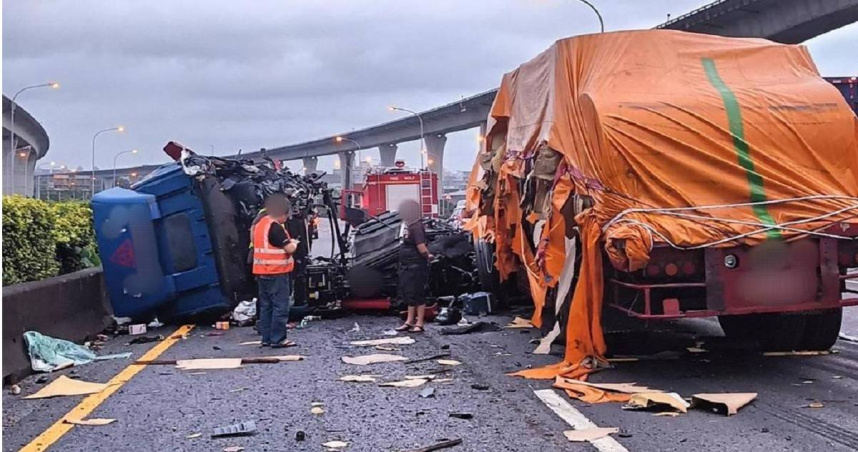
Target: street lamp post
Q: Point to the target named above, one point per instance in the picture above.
(112, 129)
(422, 139)
(340, 139)
(130, 151)
(12, 143)
(601, 23)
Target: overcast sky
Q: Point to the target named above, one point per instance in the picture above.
(234, 74)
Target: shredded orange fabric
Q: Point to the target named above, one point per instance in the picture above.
(589, 394)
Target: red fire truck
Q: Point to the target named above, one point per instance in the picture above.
(385, 188)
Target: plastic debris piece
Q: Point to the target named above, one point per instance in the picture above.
(404, 383)
(465, 416)
(15, 390)
(420, 377)
(627, 388)
(390, 332)
(657, 401)
(91, 421)
(365, 360)
(815, 405)
(427, 392)
(448, 362)
(48, 354)
(65, 386)
(317, 410)
(244, 312)
(666, 414)
(233, 449)
(355, 329)
(400, 340)
(589, 434)
(240, 429)
(335, 444)
(214, 363)
(724, 403)
(387, 348)
(250, 343)
(194, 435)
(113, 356)
(519, 322)
(358, 378)
(155, 323)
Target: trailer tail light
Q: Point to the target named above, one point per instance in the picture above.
(653, 270)
(671, 269)
(688, 267)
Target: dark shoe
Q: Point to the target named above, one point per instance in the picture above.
(416, 329)
(265, 344)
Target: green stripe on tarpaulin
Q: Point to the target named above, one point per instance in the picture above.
(737, 129)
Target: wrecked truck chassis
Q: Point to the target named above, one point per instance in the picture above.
(807, 274)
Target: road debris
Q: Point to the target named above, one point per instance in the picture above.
(65, 386)
(365, 360)
(443, 380)
(15, 390)
(438, 446)
(194, 435)
(589, 394)
(428, 358)
(666, 414)
(387, 348)
(477, 327)
(241, 429)
(519, 322)
(815, 405)
(465, 416)
(799, 353)
(658, 401)
(250, 343)
(724, 403)
(91, 421)
(317, 410)
(390, 332)
(420, 377)
(427, 392)
(356, 328)
(448, 362)
(48, 354)
(335, 444)
(145, 340)
(137, 329)
(226, 361)
(480, 387)
(417, 382)
(245, 313)
(359, 378)
(589, 434)
(401, 340)
(300, 435)
(233, 449)
(208, 364)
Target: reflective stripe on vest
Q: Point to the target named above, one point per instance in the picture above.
(268, 259)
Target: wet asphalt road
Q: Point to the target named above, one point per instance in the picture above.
(160, 407)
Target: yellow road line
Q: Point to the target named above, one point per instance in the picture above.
(91, 402)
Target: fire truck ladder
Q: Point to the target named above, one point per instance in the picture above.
(426, 193)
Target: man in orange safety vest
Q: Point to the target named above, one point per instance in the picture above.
(272, 266)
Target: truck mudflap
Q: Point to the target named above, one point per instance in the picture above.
(808, 274)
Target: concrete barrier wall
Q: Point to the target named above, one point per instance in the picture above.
(72, 307)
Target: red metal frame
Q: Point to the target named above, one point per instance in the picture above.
(811, 275)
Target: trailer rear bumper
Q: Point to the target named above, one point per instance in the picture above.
(776, 277)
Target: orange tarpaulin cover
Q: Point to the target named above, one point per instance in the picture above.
(679, 138)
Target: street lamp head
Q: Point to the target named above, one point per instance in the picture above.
(430, 161)
(339, 139)
(55, 85)
(22, 154)
(53, 163)
(134, 151)
(133, 174)
(120, 129)
(391, 108)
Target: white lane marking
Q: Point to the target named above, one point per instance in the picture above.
(576, 419)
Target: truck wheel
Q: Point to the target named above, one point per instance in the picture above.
(821, 329)
(739, 327)
(774, 332)
(486, 271)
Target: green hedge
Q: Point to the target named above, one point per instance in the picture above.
(44, 239)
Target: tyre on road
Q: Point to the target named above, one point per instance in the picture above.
(817, 330)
